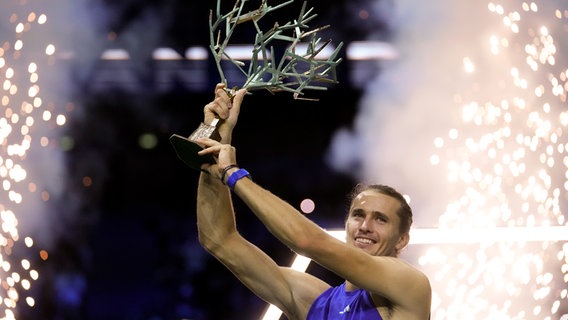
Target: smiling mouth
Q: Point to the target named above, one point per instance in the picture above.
(364, 241)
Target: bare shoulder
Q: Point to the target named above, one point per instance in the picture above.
(410, 278)
(401, 269)
(406, 289)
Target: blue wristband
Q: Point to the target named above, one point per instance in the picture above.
(236, 176)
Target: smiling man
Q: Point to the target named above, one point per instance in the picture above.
(378, 285)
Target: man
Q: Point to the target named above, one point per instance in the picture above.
(377, 285)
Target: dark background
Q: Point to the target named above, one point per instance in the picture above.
(131, 250)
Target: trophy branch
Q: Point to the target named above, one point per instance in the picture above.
(294, 71)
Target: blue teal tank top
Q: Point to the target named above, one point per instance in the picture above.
(336, 303)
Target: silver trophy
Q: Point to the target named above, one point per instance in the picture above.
(297, 70)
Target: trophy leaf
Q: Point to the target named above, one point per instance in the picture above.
(294, 71)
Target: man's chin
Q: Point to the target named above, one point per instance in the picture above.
(365, 247)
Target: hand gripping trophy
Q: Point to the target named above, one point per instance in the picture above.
(294, 72)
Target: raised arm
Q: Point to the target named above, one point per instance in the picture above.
(392, 278)
(291, 291)
(215, 220)
(405, 286)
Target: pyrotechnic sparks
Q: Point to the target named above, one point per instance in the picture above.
(484, 145)
(25, 113)
(507, 164)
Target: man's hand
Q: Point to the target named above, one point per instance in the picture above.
(224, 154)
(225, 107)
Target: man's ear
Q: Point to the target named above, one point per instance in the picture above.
(402, 242)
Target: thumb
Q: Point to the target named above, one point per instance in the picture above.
(238, 100)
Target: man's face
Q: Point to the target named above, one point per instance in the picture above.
(373, 225)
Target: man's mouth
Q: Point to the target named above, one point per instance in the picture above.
(364, 241)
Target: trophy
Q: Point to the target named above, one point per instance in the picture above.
(294, 72)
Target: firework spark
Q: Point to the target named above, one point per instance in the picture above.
(507, 163)
(26, 119)
(477, 103)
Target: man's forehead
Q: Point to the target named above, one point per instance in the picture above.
(370, 193)
(373, 197)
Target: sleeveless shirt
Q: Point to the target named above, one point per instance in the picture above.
(335, 303)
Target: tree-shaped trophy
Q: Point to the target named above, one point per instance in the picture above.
(293, 72)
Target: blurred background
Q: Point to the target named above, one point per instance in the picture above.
(459, 105)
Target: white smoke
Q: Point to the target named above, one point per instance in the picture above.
(411, 100)
(516, 97)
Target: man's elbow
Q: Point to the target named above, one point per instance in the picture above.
(208, 243)
(215, 243)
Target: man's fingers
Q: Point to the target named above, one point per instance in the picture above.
(217, 108)
(219, 86)
(211, 146)
(223, 103)
(220, 105)
(238, 99)
(223, 94)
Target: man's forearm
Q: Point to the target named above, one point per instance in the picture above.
(280, 218)
(215, 218)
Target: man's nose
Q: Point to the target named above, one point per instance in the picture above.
(366, 224)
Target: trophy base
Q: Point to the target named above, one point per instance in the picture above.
(187, 151)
